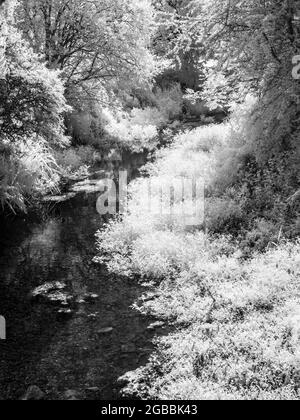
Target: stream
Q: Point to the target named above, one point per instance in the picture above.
(74, 350)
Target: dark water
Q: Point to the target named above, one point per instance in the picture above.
(56, 352)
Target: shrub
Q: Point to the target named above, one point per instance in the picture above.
(87, 127)
(72, 160)
(206, 139)
(31, 121)
(136, 131)
(263, 234)
(138, 128)
(169, 102)
(28, 171)
(223, 215)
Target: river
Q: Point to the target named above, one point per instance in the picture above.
(80, 353)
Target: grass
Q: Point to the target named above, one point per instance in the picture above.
(237, 331)
(230, 288)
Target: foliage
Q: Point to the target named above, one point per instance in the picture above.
(138, 129)
(103, 50)
(28, 170)
(249, 49)
(128, 246)
(238, 194)
(169, 101)
(229, 289)
(33, 101)
(86, 127)
(135, 130)
(182, 49)
(237, 335)
(76, 160)
(95, 43)
(31, 121)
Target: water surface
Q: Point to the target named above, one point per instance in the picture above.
(57, 352)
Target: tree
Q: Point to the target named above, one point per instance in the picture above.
(170, 40)
(32, 96)
(249, 46)
(95, 43)
(32, 107)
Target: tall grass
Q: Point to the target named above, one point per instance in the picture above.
(237, 331)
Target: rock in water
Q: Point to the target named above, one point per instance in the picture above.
(34, 393)
(52, 293)
(65, 313)
(71, 395)
(155, 325)
(104, 331)
(90, 297)
(47, 288)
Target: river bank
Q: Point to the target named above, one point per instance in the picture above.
(229, 287)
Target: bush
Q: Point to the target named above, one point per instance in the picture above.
(169, 102)
(138, 129)
(27, 171)
(87, 127)
(31, 121)
(223, 215)
(72, 160)
(135, 131)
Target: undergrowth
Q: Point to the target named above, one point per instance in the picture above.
(228, 284)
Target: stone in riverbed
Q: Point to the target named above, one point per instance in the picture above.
(71, 395)
(149, 296)
(46, 288)
(59, 298)
(65, 313)
(93, 389)
(34, 393)
(155, 325)
(80, 301)
(105, 331)
(90, 297)
(124, 380)
(52, 293)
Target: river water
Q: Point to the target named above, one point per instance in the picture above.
(59, 352)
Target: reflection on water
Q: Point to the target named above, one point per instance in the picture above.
(83, 352)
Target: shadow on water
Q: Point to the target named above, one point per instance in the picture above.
(56, 352)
